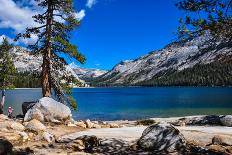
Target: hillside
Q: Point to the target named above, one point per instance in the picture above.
(29, 66)
(191, 62)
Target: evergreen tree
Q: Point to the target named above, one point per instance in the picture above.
(214, 16)
(7, 70)
(56, 23)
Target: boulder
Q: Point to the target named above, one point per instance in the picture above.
(47, 109)
(80, 124)
(162, 137)
(71, 124)
(226, 120)
(24, 135)
(48, 137)
(5, 147)
(96, 126)
(35, 125)
(17, 126)
(3, 117)
(78, 145)
(89, 124)
(222, 140)
(34, 113)
(113, 125)
(27, 105)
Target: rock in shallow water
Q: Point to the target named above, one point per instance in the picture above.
(162, 137)
(47, 109)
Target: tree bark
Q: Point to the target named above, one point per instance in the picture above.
(2, 101)
(46, 75)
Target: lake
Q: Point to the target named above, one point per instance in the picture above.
(137, 102)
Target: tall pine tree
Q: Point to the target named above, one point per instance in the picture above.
(7, 70)
(53, 32)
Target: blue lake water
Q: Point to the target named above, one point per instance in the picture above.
(137, 103)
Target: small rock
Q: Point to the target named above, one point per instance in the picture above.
(113, 125)
(222, 140)
(226, 120)
(48, 137)
(24, 135)
(31, 135)
(90, 142)
(96, 126)
(81, 124)
(4, 129)
(162, 137)
(17, 126)
(71, 124)
(3, 117)
(89, 124)
(105, 126)
(78, 145)
(35, 125)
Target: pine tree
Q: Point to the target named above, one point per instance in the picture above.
(7, 70)
(214, 16)
(53, 34)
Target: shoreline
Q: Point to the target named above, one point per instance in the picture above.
(146, 87)
(109, 134)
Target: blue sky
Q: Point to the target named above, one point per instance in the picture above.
(111, 30)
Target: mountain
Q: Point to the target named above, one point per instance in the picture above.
(86, 73)
(25, 63)
(170, 65)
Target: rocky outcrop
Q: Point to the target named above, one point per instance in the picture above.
(162, 137)
(212, 120)
(47, 109)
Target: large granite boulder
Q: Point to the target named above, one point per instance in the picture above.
(226, 120)
(49, 110)
(162, 138)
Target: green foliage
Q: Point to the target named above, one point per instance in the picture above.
(56, 23)
(212, 16)
(213, 74)
(27, 80)
(7, 68)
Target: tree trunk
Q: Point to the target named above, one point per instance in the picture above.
(2, 101)
(46, 79)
